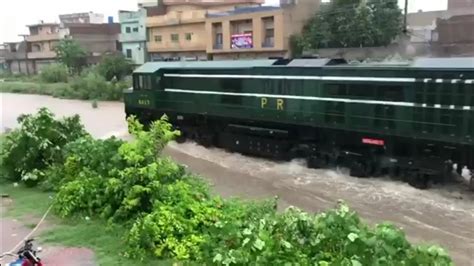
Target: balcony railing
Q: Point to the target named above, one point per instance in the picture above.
(43, 37)
(42, 54)
(218, 46)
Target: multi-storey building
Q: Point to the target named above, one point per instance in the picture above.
(257, 32)
(133, 35)
(96, 39)
(177, 28)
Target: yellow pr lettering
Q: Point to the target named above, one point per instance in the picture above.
(264, 102)
(280, 103)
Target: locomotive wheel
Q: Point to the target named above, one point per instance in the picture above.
(358, 169)
(316, 162)
(181, 138)
(418, 180)
(206, 139)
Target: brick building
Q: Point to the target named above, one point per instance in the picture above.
(97, 39)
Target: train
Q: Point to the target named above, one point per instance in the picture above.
(412, 121)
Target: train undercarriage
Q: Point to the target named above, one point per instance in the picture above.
(417, 162)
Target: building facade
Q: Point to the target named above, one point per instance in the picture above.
(3, 62)
(16, 58)
(460, 4)
(454, 36)
(177, 28)
(96, 39)
(89, 17)
(133, 35)
(257, 32)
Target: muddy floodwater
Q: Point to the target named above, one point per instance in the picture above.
(443, 215)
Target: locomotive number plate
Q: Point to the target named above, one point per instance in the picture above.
(144, 102)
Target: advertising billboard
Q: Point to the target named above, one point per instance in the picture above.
(242, 41)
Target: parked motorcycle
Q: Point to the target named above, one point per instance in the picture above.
(26, 255)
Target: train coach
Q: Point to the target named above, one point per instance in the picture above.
(414, 121)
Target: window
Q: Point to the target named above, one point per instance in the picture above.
(218, 41)
(269, 38)
(175, 37)
(129, 53)
(158, 38)
(128, 30)
(135, 29)
(188, 36)
(143, 82)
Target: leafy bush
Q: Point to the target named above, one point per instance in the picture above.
(54, 73)
(91, 85)
(36, 144)
(115, 66)
(172, 215)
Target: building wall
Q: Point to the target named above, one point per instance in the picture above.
(455, 4)
(455, 36)
(196, 43)
(97, 43)
(184, 19)
(138, 51)
(89, 17)
(284, 21)
(134, 41)
(18, 66)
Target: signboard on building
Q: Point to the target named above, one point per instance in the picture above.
(242, 41)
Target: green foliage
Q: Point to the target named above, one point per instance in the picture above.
(353, 23)
(91, 85)
(115, 67)
(71, 54)
(54, 73)
(37, 143)
(296, 46)
(27, 87)
(170, 214)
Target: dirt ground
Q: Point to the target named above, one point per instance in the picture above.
(13, 231)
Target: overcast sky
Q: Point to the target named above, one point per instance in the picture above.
(15, 14)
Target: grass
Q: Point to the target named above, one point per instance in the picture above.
(30, 87)
(105, 240)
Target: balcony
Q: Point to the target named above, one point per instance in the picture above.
(41, 55)
(43, 37)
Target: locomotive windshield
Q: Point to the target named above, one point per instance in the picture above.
(143, 82)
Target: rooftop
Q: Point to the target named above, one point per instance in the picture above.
(43, 24)
(244, 10)
(460, 62)
(152, 67)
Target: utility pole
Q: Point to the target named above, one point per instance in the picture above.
(405, 26)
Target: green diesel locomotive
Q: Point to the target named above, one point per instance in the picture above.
(415, 121)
